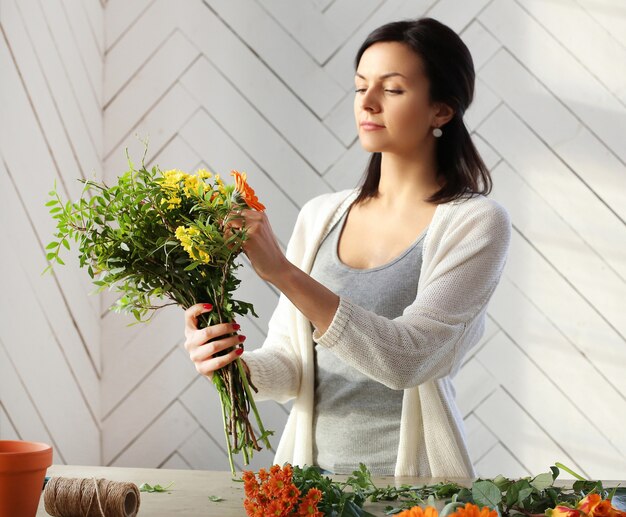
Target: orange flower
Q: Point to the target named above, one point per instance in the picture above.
(563, 511)
(308, 505)
(418, 511)
(471, 510)
(246, 191)
(594, 506)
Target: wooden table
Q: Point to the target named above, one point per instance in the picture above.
(189, 495)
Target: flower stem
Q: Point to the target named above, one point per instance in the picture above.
(246, 386)
(219, 385)
(570, 471)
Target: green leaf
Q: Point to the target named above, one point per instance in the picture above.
(52, 202)
(542, 481)
(486, 493)
(145, 487)
(53, 244)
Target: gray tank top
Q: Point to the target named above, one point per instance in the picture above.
(357, 419)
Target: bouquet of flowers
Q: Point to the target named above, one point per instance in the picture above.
(160, 235)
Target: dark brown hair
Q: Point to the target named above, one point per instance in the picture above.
(449, 67)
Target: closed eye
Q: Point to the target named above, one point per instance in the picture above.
(358, 90)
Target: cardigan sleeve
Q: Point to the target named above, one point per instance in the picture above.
(422, 343)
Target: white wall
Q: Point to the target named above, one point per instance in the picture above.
(265, 86)
(51, 57)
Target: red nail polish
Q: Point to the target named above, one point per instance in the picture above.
(239, 351)
(242, 338)
(236, 326)
(208, 306)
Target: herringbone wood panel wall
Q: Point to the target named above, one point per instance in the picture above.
(266, 86)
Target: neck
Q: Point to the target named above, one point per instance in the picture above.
(405, 180)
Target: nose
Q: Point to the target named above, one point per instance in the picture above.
(369, 100)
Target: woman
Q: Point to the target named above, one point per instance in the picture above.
(384, 288)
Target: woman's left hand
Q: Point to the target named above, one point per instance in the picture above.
(261, 246)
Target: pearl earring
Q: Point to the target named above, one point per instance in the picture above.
(437, 132)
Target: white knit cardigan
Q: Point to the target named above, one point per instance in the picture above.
(464, 253)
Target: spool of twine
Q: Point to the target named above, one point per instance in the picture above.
(90, 497)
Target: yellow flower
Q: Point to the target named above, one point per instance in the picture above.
(186, 238)
(192, 183)
(203, 173)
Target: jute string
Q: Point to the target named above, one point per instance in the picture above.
(90, 497)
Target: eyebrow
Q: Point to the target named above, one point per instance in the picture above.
(384, 76)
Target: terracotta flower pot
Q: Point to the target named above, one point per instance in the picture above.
(23, 468)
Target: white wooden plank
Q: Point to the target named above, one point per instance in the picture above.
(119, 15)
(456, 15)
(582, 438)
(224, 153)
(481, 44)
(59, 85)
(126, 367)
(177, 154)
(83, 88)
(296, 68)
(175, 462)
(524, 322)
(500, 461)
(562, 246)
(7, 431)
(16, 401)
(348, 171)
(259, 138)
(473, 385)
(50, 295)
(491, 329)
(244, 72)
(43, 102)
(203, 452)
(521, 435)
(485, 101)
(158, 126)
(567, 22)
(127, 108)
(47, 378)
(320, 33)
(611, 14)
(85, 42)
(558, 128)
(26, 156)
(341, 121)
(565, 193)
(94, 11)
(159, 441)
(479, 439)
(341, 64)
(546, 58)
(134, 415)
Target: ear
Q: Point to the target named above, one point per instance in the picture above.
(442, 115)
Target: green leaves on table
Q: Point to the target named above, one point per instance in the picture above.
(145, 487)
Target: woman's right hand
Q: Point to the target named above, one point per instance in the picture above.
(200, 350)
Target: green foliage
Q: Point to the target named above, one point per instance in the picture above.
(529, 495)
(145, 487)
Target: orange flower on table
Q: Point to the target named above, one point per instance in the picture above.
(594, 506)
(563, 511)
(469, 510)
(274, 493)
(246, 191)
(418, 511)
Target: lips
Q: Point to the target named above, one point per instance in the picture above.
(370, 125)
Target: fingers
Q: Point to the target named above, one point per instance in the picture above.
(191, 316)
(206, 364)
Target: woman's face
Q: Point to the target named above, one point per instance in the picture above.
(392, 91)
